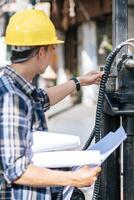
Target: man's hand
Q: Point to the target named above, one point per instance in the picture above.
(92, 77)
(85, 176)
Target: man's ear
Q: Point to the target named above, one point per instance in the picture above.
(41, 52)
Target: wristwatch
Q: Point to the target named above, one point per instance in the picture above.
(77, 83)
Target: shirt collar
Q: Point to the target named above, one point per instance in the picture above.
(27, 87)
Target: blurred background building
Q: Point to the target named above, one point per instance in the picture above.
(86, 28)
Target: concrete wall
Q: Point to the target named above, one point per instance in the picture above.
(87, 58)
(61, 75)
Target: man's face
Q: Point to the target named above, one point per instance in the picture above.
(45, 56)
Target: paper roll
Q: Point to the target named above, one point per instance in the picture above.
(59, 159)
(48, 141)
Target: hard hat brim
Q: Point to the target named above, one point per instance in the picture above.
(32, 43)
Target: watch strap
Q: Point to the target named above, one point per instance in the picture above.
(77, 83)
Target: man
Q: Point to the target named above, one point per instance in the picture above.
(32, 38)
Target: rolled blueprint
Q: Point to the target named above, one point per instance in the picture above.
(59, 159)
(48, 141)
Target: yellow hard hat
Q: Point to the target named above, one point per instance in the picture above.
(31, 28)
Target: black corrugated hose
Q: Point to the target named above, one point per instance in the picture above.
(96, 131)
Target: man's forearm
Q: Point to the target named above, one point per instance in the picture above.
(59, 92)
(41, 177)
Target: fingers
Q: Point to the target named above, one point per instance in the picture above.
(86, 176)
(92, 169)
(98, 169)
(95, 171)
(95, 174)
(92, 172)
(92, 77)
(91, 181)
(99, 77)
(97, 81)
(96, 77)
(97, 73)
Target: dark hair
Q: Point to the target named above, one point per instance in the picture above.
(22, 56)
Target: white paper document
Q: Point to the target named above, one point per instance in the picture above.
(48, 141)
(59, 159)
(109, 143)
(93, 156)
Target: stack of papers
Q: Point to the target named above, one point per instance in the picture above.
(48, 141)
(93, 156)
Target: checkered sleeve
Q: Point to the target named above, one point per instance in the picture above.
(44, 99)
(13, 132)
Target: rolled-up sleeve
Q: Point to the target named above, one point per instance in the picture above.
(46, 102)
(41, 96)
(13, 132)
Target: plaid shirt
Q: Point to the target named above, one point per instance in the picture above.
(21, 111)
